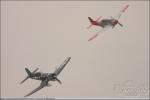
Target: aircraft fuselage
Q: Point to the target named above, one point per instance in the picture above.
(43, 76)
(108, 22)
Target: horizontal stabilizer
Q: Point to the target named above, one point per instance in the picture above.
(24, 80)
(29, 74)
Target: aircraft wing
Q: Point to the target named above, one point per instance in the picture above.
(100, 31)
(58, 70)
(121, 12)
(93, 37)
(42, 85)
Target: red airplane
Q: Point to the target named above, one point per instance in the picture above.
(106, 23)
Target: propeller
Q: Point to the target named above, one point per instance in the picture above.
(53, 76)
(58, 80)
(120, 24)
(117, 21)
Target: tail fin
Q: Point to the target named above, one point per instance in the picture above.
(92, 21)
(120, 24)
(28, 72)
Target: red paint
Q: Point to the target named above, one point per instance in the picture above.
(115, 22)
(124, 9)
(93, 37)
(93, 22)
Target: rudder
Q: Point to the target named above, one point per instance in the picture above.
(92, 21)
(28, 72)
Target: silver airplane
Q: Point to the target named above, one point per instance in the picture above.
(44, 77)
(106, 23)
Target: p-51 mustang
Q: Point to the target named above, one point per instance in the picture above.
(45, 77)
(106, 23)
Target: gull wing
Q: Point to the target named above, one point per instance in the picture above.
(42, 85)
(58, 70)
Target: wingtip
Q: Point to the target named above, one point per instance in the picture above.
(20, 82)
(69, 57)
(26, 95)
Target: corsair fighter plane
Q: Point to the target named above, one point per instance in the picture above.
(45, 77)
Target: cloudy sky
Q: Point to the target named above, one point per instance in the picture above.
(42, 34)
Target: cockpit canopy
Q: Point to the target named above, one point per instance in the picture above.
(38, 74)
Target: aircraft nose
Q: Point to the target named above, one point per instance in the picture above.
(115, 22)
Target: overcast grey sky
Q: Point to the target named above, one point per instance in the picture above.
(43, 33)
